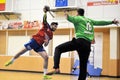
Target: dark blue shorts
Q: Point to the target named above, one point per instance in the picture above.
(32, 44)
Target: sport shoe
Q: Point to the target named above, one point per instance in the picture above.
(53, 72)
(8, 63)
(47, 77)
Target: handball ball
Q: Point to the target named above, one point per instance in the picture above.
(47, 8)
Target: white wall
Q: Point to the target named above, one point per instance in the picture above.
(31, 9)
(16, 43)
(108, 12)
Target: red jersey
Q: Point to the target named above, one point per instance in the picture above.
(40, 36)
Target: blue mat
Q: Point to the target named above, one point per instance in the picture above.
(90, 68)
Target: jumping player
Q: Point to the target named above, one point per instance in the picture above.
(84, 32)
(42, 37)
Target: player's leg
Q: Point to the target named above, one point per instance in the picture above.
(64, 47)
(83, 65)
(41, 51)
(22, 51)
(83, 53)
(27, 46)
(44, 55)
(67, 46)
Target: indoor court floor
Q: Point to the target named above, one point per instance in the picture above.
(15, 75)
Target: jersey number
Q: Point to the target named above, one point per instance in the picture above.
(88, 26)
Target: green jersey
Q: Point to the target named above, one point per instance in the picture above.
(84, 26)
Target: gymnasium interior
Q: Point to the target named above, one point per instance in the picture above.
(20, 19)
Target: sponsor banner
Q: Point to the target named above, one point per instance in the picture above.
(2, 5)
(103, 2)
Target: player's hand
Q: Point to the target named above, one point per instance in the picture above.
(66, 13)
(46, 42)
(115, 22)
(93, 41)
(46, 9)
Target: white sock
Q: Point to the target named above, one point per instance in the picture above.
(12, 60)
(45, 71)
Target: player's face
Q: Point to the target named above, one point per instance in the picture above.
(54, 27)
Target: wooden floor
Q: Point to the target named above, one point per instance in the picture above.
(12, 75)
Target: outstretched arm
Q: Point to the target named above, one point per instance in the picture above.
(102, 23)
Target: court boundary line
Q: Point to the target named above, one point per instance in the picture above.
(58, 74)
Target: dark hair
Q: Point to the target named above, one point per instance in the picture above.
(80, 11)
(54, 23)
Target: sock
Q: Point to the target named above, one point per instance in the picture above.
(45, 71)
(12, 60)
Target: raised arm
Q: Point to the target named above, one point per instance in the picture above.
(45, 9)
(45, 18)
(72, 19)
